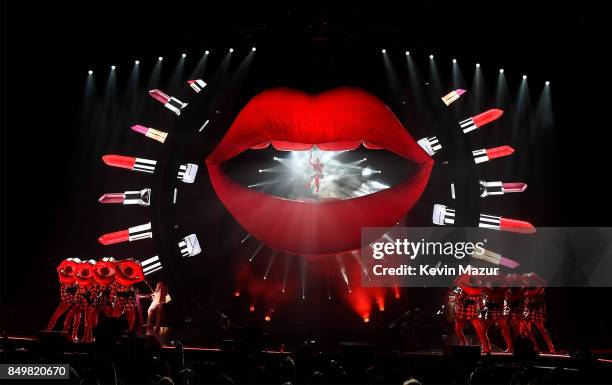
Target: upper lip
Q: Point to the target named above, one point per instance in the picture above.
(335, 120)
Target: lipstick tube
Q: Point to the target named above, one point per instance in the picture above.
(197, 84)
(431, 145)
(171, 103)
(132, 234)
(452, 96)
(443, 215)
(505, 224)
(486, 154)
(474, 122)
(152, 133)
(190, 246)
(494, 258)
(187, 172)
(142, 197)
(130, 163)
(500, 188)
(151, 265)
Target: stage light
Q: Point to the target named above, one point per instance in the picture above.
(407, 53)
(253, 49)
(547, 83)
(366, 320)
(206, 52)
(275, 158)
(431, 57)
(383, 50)
(184, 55)
(524, 77)
(477, 65)
(364, 159)
(236, 294)
(267, 318)
(137, 62)
(160, 58)
(90, 72)
(231, 50)
(501, 70)
(113, 67)
(251, 308)
(260, 170)
(454, 61)
(368, 171)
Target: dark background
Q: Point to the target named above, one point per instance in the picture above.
(53, 137)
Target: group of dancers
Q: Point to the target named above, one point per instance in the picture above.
(514, 303)
(90, 289)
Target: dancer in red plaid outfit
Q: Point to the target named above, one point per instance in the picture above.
(83, 300)
(515, 301)
(101, 291)
(129, 272)
(535, 309)
(467, 308)
(66, 272)
(495, 309)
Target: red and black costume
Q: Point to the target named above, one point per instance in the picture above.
(467, 308)
(83, 298)
(535, 309)
(101, 292)
(495, 309)
(129, 272)
(66, 271)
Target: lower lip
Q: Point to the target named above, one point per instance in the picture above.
(323, 228)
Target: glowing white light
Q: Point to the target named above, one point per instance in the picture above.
(207, 52)
(184, 55)
(90, 72)
(477, 65)
(260, 170)
(160, 58)
(547, 83)
(501, 70)
(253, 49)
(431, 57)
(407, 53)
(364, 159)
(454, 61)
(136, 61)
(383, 50)
(231, 50)
(368, 171)
(113, 67)
(524, 77)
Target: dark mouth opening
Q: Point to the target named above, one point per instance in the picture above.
(345, 174)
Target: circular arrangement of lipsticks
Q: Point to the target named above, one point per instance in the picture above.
(174, 173)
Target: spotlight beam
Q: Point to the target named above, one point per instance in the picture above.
(259, 247)
(270, 262)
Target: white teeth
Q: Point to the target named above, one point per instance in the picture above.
(333, 146)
